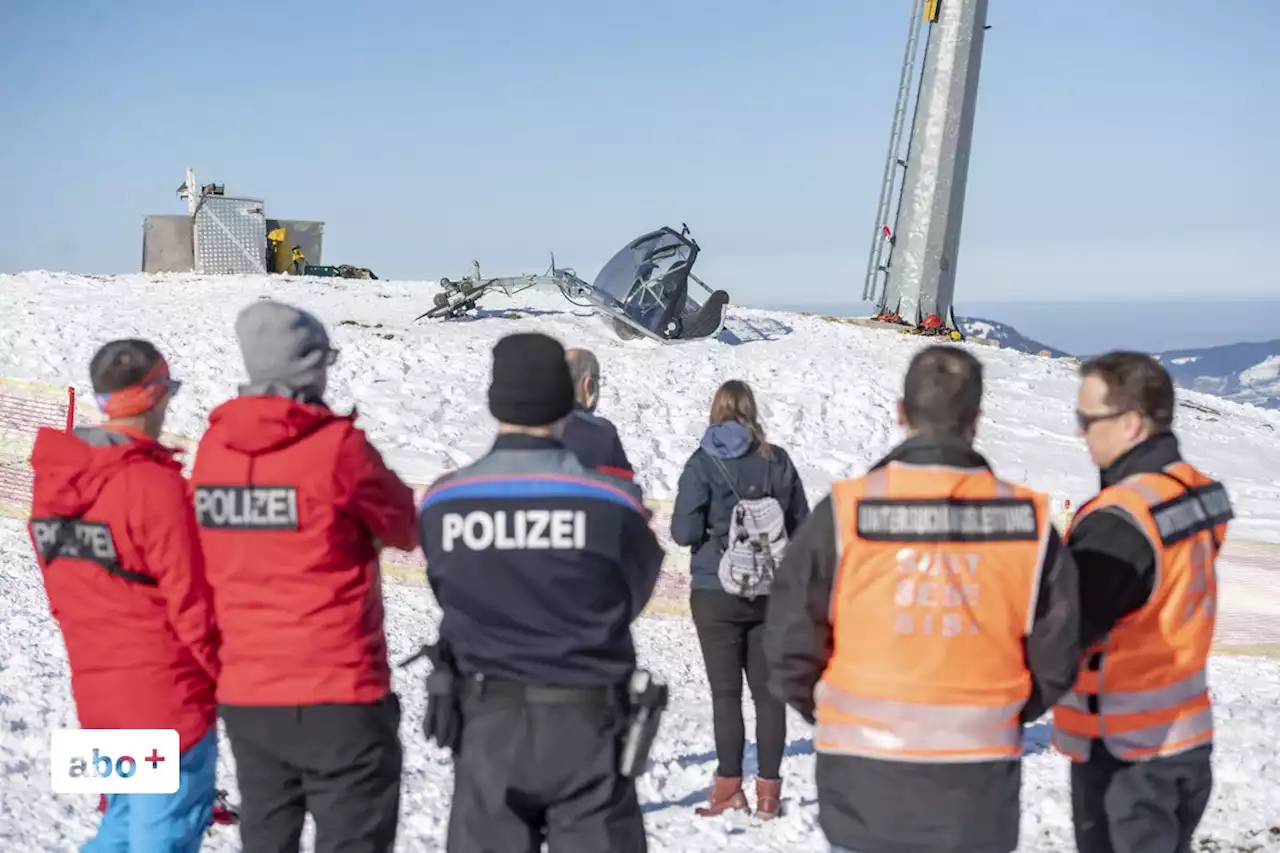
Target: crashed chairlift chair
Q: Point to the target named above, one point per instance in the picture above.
(643, 291)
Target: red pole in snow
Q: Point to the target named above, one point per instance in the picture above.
(71, 408)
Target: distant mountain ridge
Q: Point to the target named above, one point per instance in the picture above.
(1005, 335)
(1243, 373)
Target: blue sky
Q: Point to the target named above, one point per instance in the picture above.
(1122, 150)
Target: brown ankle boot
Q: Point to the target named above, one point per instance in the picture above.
(726, 795)
(768, 798)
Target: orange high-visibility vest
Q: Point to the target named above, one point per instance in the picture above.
(1143, 689)
(934, 595)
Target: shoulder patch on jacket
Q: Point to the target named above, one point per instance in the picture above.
(1194, 511)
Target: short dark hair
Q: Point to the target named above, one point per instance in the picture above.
(121, 364)
(942, 393)
(1135, 382)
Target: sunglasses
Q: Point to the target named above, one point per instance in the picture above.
(330, 356)
(1084, 421)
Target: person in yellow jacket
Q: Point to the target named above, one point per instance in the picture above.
(921, 615)
(1138, 726)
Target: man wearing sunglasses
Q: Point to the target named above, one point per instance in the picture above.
(118, 547)
(1138, 726)
(294, 504)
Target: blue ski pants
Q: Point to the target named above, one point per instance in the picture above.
(163, 823)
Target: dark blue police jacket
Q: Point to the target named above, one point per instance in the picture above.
(539, 565)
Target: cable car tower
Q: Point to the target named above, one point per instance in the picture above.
(916, 244)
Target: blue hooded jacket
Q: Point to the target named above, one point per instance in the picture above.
(705, 498)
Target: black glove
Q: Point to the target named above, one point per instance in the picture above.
(443, 720)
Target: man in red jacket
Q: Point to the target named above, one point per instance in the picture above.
(118, 547)
(294, 504)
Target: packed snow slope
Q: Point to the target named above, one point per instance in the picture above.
(1244, 814)
(828, 392)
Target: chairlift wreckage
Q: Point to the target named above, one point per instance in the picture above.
(644, 290)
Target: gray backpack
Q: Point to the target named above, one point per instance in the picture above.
(757, 540)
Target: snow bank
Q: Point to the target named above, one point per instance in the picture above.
(828, 391)
(35, 697)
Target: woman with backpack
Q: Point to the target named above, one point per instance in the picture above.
(738, 503)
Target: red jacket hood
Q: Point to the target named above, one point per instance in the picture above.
(260, 424)
(70, 472)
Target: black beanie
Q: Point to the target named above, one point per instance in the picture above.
(531, 382)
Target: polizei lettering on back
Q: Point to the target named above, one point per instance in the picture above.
(74, 539)
(247, 507)
(953, 520)
(518, 530)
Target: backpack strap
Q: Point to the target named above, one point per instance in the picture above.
(727, 476)
(766, 492)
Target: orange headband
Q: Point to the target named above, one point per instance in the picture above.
(139, 398)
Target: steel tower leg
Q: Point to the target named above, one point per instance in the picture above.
(922, 275)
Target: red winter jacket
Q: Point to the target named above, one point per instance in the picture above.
(292, 502)
(129, 589)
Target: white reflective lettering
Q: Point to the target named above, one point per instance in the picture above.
(562, 531)
(247, 507)
(477, 531)
(45, 533)
(88, 540)
(536, 532)
(450, 530)
(504, 540)
(936, 592)
(521, 530)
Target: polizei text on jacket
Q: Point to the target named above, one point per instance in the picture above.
(519, 530)
(74, 539)
(247, 507)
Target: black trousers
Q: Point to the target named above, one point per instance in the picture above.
(341, 763)
(533, 770)
(731, 633)
(1140, 807)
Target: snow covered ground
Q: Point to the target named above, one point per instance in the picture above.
(828, 393)
(828, 390)
(35, 697)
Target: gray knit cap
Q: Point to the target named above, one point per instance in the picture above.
(286, 350)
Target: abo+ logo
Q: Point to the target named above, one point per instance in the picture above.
(114, 761)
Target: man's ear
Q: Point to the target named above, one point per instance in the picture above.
(902, 414)
(1137, 427)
